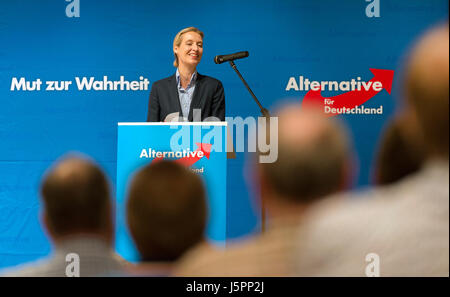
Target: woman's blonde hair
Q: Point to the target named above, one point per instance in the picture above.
(177, 40)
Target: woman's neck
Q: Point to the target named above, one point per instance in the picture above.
(185, 74)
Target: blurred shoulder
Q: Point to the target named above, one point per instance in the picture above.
(200, 261)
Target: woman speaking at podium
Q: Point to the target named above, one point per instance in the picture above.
(187, 94)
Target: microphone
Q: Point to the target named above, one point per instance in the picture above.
(225, 58)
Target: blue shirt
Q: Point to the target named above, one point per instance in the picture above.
(186, 95)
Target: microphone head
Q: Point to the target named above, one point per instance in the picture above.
(244, 54)
(218, 60)
(225, 58)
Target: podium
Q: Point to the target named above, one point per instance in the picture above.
(140, 143)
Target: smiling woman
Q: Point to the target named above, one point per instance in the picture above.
(187, 95)
(188, 43)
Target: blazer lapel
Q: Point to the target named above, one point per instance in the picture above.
(196, 98)
(173, 89)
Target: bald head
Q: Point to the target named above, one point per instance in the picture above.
(313, 152)
(427, 88)
(300, 126)
(76, 198)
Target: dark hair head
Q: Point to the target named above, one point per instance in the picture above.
(166, 210)
(76, 197)
(399, 155)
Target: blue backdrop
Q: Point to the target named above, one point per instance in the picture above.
(319, 39)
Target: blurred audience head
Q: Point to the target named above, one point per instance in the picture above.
(76, 198)
(427, 89)
(313, 158)
(399, 154)
(166, 211)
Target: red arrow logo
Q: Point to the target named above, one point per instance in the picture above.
(188, 161)
(203, 150)
(353, 98)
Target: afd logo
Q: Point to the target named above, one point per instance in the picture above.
(185, 157)
(357, 92)
(73, 9)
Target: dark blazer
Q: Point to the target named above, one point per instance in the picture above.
(208, 96)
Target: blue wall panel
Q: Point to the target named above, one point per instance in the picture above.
(321, 40)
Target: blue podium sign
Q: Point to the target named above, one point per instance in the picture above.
(199, 146)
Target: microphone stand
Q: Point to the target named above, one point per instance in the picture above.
(266, 114)
(264, 111)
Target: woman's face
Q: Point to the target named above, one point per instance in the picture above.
(190, 50)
